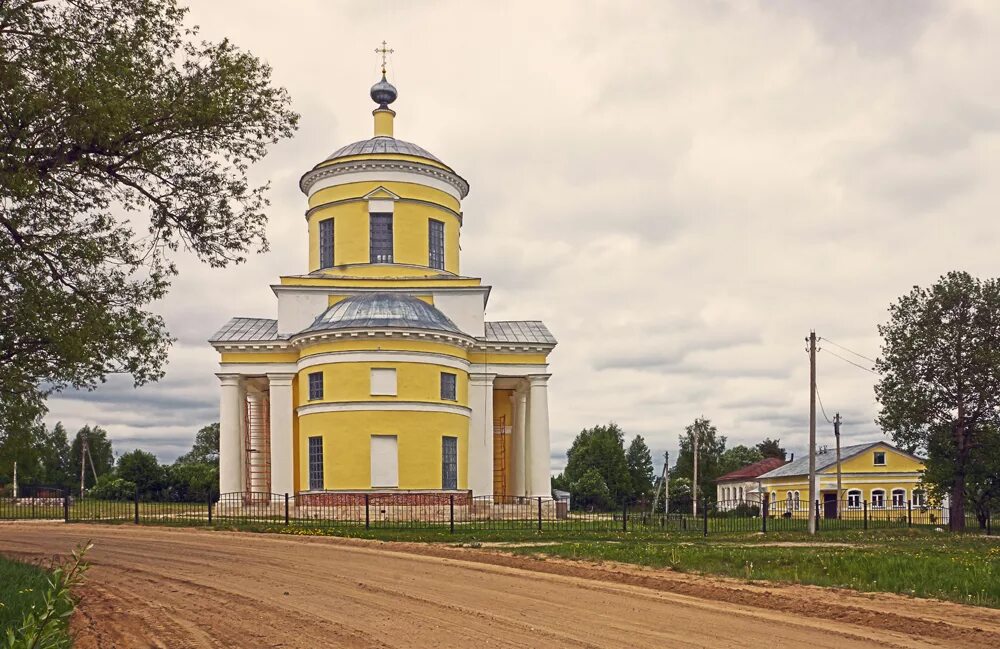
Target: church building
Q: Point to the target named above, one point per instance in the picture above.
(380, 373)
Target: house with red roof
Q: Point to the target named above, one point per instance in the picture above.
(741, 486)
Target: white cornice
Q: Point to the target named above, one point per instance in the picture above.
(367, 166)
(383, 356)
(406, 406)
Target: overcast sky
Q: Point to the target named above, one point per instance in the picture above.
(680, 190)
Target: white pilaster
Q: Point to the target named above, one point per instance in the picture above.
(481, 434)
(230, 434)
(280, 387)
(520, 399)
(539, 480)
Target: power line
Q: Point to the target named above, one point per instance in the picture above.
(861, 367)
(870, 360)
(821, 405)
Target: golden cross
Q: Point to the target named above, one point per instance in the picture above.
(383, 51)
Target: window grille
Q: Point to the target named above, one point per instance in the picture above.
(435, 244)
(449, 463)
(315, 385)
(326, 243)
(315, 462)
(381, 238)
(447, 386)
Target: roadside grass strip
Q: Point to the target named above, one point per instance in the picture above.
(21, 586)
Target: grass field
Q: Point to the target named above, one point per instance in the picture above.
(21, 585)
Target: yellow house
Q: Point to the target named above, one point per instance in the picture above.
(380, 372)
(876, 476)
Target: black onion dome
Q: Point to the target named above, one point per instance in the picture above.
(376, 310)
(384, 93)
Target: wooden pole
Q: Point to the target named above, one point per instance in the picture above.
(812, 431)
(836, 433)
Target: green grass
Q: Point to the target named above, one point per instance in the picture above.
(21, 586)
(960, 568)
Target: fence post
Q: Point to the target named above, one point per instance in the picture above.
(66, 506)
(451, 512)
(539, 513)
(866, 515)
(909, 514)
(817, 515)
(704, 513)
(367, 519)
(137, 505)
(286, 508)
(209, 506)
(763, 513)
(624, 515)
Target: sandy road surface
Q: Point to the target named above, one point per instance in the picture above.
(152, 587)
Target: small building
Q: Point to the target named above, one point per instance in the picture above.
(741, 486)
(876, 474)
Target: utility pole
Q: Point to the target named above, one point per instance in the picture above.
(836, 433)
(83, 460)
(812, 431)
(15, 479)
(666, 482)
(694, 479)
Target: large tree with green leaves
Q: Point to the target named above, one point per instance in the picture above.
(205, 449)
(601, 448)
(640, 469)
(771, 448)
(939, 385)
(100, 451)
(738, 457)
(123, 137)
(711, 447)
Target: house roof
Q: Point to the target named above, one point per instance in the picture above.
(518, 331)
(800, 466)
(751, 471)
(246, 329)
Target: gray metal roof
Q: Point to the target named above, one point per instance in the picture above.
(243, 329)
(382, 144)
(800, 466)
(370, 310)
(518, 331)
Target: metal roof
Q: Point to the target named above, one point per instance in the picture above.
(518, 331)
(241, 329)
(751, 471)
(382, 144)
(800, 466)
(373, 310)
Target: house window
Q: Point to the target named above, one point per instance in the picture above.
(383, 382)
(774, 501)
(898, 498)
(879, 458)
(878, 499)
(326, 243)
(854, 499)
(788, 501)
(315, 462)
(435, 244)
(385, 461)
(315, 385)
(797, 502)
(919, 498)
(380, 245)
(449, 463)
(447, 386)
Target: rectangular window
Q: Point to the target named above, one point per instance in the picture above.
(878, 499)
(326, 243)
(435, 243)
(315, 462)
(918, 498)
(447, 386)
(383, 382)
(315, 385)
(380, 246)
(854, 500)
(879, 458)
(449, 463)
(898, 499)
(385, 461)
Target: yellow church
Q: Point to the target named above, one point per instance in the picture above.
(380, 373)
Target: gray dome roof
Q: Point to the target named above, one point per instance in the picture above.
(375, 310)
(382, 144)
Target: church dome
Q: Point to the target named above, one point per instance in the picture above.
(382, 144)
(375, 310)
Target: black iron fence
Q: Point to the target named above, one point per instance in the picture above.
(460, 511)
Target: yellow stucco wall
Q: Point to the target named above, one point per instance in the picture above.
(414, 382)
(411, 191)
(347, 445)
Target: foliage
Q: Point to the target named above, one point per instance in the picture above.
(42, 455)
(192, 482)
(141, 469)
(206, 447)
(601, 449)
(711, 447)
(738, 457)
(982, 481)
(117, 118)
(111, 487)
(46, 626)
(640, 468)
(940, 377)
(771, 448)
(590, 492)
(21, 586)
(98, 447)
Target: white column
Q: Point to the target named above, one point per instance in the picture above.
(481, 434)
(230, 435)
(280, 387)
(539, 481)
(520, 399)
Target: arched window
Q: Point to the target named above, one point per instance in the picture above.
(797, 503)
(788, 501)
(854, 499)
(878, 498)
(740, 494)
(899, 498)
(774, 501)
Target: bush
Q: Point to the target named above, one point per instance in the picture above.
(192, 482)
(591, 492)
(110, 487)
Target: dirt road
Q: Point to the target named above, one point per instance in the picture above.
(153, 587)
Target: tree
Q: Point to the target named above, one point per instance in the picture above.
(55, 457)
(99, 448)
(22, 444)
(206, 447)
(738, 457)
(939, 379)
(112, 107)
(591, 491)
(141, 469)
(711, 446)
(192, 481)
(982, 481)
(771, 448)
(601, 448)
(640, 468)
